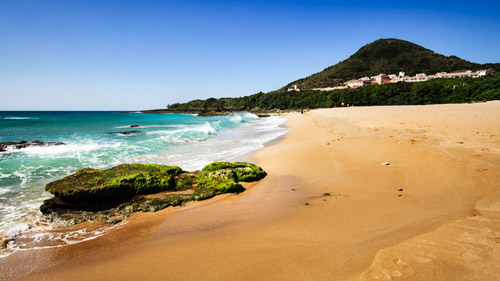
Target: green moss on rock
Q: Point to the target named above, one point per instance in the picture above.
(245, 172)
(248, 172)
(123, 181)
(144, 204)
(217, 166)
(121, 190)
(186, 181)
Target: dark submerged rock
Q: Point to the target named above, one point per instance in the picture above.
(91, 194)
(4, 146)
(134, 126)
(128, 133)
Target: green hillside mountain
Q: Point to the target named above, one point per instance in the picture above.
(386, 56)
(381, 56)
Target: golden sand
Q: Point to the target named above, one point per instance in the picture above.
(432, 213)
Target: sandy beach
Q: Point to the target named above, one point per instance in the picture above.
(328, 210)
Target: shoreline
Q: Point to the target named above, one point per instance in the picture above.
(362, 230)
(203, 140)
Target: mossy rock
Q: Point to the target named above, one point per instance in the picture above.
(248, 172)
(121, 190)
(215, 178)
(217, 166)
(186, 181)
(203, 193)
(123, 181)
(141, 203)
(245, 172)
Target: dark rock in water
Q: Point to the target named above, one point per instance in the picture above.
(128, 133)
(4, 146)
(91, 194)
(134, 126)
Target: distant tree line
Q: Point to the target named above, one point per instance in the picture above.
(435, 91)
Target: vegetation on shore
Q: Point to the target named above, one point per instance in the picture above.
(435, 91)
(380, 56)
(91, 194)
(387, 56)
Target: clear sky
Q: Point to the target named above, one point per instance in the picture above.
(119, 55)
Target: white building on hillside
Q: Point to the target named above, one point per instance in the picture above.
(294, 88)
(467, 73)
(358, 83)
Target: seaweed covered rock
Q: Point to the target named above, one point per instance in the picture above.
(245, 172)
(123, 181)
(90, 194)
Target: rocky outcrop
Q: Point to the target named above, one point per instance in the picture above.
(4, 146)
(129, 133)
(115, 193)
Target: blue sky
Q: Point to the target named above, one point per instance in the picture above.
(118, 55)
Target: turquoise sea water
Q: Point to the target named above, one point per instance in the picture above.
(97, 140)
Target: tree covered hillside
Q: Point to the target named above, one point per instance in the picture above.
(386, 56)
(434, 91)
(381, 56)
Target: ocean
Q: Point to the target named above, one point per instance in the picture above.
(105, 139)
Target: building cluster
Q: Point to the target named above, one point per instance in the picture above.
(393, 78)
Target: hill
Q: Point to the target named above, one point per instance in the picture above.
(386, 56)
(381, 56)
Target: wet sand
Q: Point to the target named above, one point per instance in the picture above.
(433, 213)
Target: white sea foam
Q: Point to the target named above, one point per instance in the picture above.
(226, 145)
(151, 126)
(206, 128)
(66, 149)
(42, 236)
(19, 118)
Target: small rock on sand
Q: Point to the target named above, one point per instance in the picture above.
(400, 189)
(326, 194)
(385, 163)
(307, 204)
